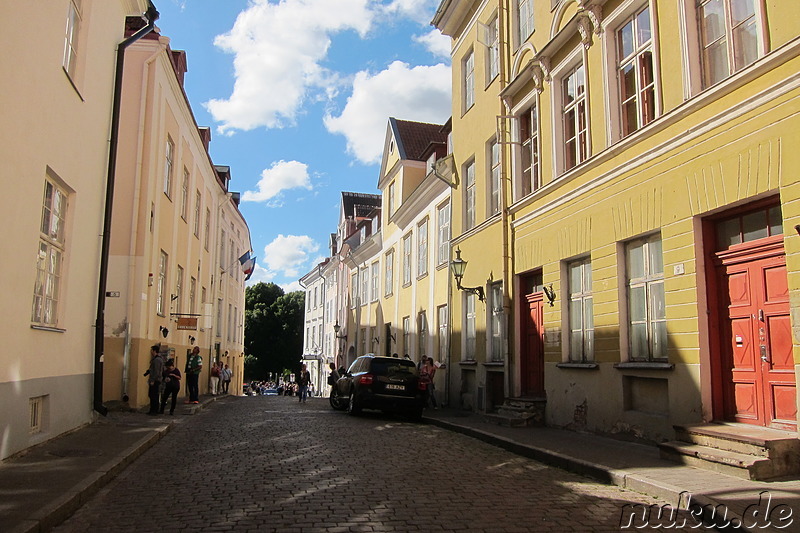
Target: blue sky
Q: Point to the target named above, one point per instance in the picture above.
(298, 94)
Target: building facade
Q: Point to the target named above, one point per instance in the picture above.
(648, 206)
(177, 235)
(57, 94)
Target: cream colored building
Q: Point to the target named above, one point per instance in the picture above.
(58, 70)
(177, 235)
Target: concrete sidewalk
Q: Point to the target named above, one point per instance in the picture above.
(42, 486)
(639, 467)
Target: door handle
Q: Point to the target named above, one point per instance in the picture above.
(764, 356)
(761, 315)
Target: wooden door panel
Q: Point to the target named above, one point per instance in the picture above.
(739, 290)
(742, 344)
(746, 401)
(785, 404)
(779, 334)
(776, 284)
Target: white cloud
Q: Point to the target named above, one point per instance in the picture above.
(282, 175)
(287, 254)
(409, 93)
(278, 49)
(421, 11)
(291, 287)
(435, 42)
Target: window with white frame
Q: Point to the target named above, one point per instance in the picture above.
(71, 40)
(497, 323)
(219, 317)
(407, 335)
(315, 297)
(407, 260)
(230, 321)
(492, 49)
(634, 45)
(469, 195)
(198, 203)
(422, 248)
(494, 177)
(169, 156)
(354, 289)
(364, 286)
(391, 199)
(422, 333)
(179, 290)
(207, 229)
(161, 288)
(470, 330)
(580, 309)
(375, 279)
(49, 261)
(192, 295)
(646, 310)
(530, 178)
(443, 233)
(222, 239)
(574, 117)
(389, 273)
(524, 20)
(185, 195)
(468, 80)
(729, 37)
(441, 318)
(363, 340)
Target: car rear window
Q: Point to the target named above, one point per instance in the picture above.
(384, 367)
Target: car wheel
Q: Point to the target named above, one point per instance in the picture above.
(337, 401)
(352, 407)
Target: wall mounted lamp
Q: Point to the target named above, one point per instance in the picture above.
(458, 266)
(376, 340)
(393, 337)
(550, 293)
(164, 331)
(336, 328)
(191, 339)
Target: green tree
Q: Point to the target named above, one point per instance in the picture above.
(273, 329)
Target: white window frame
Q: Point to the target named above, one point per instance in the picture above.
(470, 327)
(375, 275)
(443, 233)
(422, 333)
(407, 335)
(497, 321)
(169, 163)
(161, 285)
(192, 294)
(524, 20)
(198, 207)
(492, 49)
(185, 195)
(442, 328)
(364, 286)
(72, 38)
(392, 205)
(178, 290)
(470, 215)
(579, 311)
(354, 289)
(494, 172)
(407, 250)
(732, 52)
(388, 288)
(51, 256)
(468, 80)
(654, 316)
(207, 234)
(422, 248)
(577, 58)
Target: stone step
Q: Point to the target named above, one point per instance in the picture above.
(741, 438)
(742, 465)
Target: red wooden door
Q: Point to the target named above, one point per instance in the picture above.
(757, 339)
(532, 360)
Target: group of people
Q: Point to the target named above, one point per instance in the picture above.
(164, 374)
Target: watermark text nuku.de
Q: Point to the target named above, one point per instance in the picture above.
(691, 514)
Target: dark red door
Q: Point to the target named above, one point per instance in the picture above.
(757, 338)
(532, 359)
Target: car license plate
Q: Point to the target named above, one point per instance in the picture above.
(395, 387)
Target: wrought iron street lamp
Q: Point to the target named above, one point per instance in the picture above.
(458, 266)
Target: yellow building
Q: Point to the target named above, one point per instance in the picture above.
(177, 234)
(649, 181)
(58, 72)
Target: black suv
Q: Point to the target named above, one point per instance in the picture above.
(385, 383)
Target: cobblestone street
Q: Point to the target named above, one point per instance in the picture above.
(271, 464)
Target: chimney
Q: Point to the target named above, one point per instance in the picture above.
(205, 135)
(179, 64)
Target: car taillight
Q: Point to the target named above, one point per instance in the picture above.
(422, 386)
(366, 379)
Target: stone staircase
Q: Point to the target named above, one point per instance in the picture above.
(519, 412)
(741, 450)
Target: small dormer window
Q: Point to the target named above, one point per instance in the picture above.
(430, 163)
(391, 147)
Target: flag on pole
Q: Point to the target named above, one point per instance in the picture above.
(245, 257)
(248, 267)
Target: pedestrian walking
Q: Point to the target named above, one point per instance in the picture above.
(154, 375)
(194, 365)
(215, 375)
(172, 386)
(425, 377)
(430, 369)
(302, 383)
(227, 374)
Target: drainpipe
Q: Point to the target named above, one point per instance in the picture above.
(99, 333)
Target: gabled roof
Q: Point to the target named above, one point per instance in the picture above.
(413, 138)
